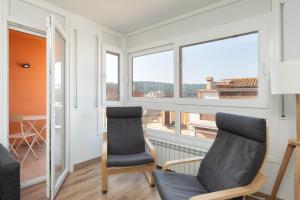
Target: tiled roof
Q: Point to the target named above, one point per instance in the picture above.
(238, 83)
(208, 117)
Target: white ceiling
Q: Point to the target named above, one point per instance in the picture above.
(129, 15)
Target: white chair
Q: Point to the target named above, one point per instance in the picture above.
(24, 135)
(40, 134)
(32, 126)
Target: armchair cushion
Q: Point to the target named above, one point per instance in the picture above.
(248, 127)
(9, 176)
(129, 160)
(124, 112)
(175, 186)
(125, 131)
(236, 154)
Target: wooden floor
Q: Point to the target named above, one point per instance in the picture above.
(84, 184)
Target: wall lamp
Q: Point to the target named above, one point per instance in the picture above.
(26, 65)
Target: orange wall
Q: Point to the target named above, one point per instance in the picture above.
(27, 87)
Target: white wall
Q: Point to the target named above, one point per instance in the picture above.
(291, 51)
(291, 30)
(85, 142)
(280, 129)
(31, 14)
(86, 135)
(112, 40)
(243, 9)
(85, 139)
(287, 126)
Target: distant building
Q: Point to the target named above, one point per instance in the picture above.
(235, 88)
(211, 91)
(162, 120)
(203, 125)
(155, 94)
(199, 125)
(112, 92)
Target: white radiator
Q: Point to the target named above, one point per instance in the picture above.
(171, 151)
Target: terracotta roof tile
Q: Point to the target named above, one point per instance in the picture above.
(238, 83)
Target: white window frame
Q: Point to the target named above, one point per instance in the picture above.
(118, 51)
(258, 24)
(130, 78)
(252, 107)
(261, 101)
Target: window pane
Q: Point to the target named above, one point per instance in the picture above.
(112, 76)
(198, 125)
(221, 69)
(153, 75)
(59, 81)
(160, 120)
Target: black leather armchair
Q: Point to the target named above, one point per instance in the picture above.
(124, 145)
(230, 169)
(9, 176)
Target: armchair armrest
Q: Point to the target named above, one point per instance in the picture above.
(253, 187)
(186, 160)
(151, 148)
(104, 148)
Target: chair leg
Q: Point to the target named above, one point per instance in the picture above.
(20, 142)
(37, 141)
(150, 178)
(31, 127)
(31, 147)
(41, 132)
(40, 136)
(104, 177)
(11, 147)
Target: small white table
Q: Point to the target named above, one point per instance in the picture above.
(35, 117)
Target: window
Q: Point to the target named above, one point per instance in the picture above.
(198, 125)
(153, 75)
(221, 69)
(112, 65)
(196, 75)
(159, 120)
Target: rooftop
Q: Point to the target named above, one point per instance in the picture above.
(238, 83)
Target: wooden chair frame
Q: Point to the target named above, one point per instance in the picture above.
(251, 188)
(106, 171)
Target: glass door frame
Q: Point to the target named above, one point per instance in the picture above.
(34, 31)
(54, 185)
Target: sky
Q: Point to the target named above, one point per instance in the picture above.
(154, 67)
(112, 68)
(227, 58)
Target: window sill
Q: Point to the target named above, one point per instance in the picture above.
(259, 103)
(202, 144)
